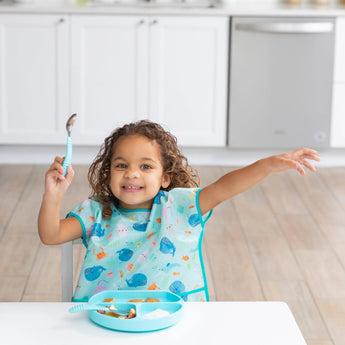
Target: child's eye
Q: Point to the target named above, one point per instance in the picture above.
(145, 167)
(121, 166)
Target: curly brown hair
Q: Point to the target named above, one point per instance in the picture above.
(174, 162)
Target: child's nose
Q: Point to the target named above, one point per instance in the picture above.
(132, 172)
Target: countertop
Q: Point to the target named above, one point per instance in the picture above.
(264, 9)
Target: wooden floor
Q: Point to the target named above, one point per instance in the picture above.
(284, 240)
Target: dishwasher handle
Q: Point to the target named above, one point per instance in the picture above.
(287, 28)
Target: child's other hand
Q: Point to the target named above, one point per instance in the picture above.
(55, 183)
(294, 160)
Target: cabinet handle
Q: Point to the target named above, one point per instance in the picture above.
(141, 22)
(287, 28)
(154, 22)
(61, 20)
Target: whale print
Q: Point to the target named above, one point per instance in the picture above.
(125, 254)
(194, 220)
(178, 287)
(167, 247)
(97, 230)
(140, 227)
(137, 279)
(92, 273)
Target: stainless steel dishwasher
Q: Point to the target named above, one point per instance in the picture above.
(281, 72)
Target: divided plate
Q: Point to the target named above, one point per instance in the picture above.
(168, 301)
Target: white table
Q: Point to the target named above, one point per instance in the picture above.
(237, 323)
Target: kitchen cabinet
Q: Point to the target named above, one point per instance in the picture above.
(34, 78)
(170, 69)
(338, 112)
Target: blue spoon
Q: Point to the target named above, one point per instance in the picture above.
(68, 156)
(86, 307)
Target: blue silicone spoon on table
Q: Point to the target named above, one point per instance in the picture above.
(68, 156)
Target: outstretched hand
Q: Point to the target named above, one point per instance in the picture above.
(294, 160)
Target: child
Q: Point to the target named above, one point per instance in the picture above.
(144, 222)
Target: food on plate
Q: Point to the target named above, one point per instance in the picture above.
(155, 314)
(131, 314)
(113, 313)
(109, 300)
(149, 299)
(136, 300)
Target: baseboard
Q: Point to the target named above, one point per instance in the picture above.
(37, 154)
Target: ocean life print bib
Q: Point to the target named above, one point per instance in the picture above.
(144, 249)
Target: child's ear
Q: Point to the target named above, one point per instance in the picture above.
(166, 180)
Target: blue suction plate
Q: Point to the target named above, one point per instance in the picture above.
(126, 299)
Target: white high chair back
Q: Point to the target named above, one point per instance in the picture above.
(67, 270)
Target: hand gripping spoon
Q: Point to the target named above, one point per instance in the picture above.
(68, 156)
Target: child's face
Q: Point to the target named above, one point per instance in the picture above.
(137, 172)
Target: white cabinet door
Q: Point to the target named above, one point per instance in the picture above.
(172, 70)
(108, 73)
(188, 77)
(33, 78)
(338, 112)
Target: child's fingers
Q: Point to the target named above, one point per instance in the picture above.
(307, 153)
(307, 164)
(70, 174)
(57, 165)
(314, 157)
(299, 168)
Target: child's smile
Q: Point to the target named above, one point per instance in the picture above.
(137, 172)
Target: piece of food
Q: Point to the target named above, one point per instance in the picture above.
(136, 300)
(109, 300)
(131, 314)
(156, 314)
(150, 299)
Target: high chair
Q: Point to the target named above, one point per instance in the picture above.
(67, 270)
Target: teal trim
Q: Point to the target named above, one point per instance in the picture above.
(134, 209)
(194, 291)
(72, 214)
(81, 300)
(202, 221)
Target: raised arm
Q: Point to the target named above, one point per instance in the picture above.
(238, 181)
(51, 229)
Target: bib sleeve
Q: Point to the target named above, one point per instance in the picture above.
(87, 212)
